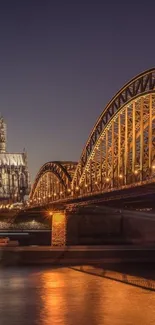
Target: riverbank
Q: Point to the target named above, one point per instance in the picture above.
(75, 255)
(141, 275)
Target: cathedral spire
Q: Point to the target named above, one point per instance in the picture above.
(2, 135)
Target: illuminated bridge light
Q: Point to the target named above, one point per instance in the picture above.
(116, 150)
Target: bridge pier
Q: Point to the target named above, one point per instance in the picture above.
(58, 236)
(85, 226)
(64, 226)
(93, 226)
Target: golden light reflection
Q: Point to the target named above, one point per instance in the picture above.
(67, 297)
(54, 304)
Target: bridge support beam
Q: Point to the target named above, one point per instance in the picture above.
(141, 138)
(58, 229)
(150, 132)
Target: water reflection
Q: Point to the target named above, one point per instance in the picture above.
(67, 297)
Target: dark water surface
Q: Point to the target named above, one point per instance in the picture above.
(63, 296)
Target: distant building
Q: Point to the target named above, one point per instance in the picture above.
(14, 176)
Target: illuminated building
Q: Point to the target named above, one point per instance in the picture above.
(14, 176)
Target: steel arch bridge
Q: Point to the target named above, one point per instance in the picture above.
(119, 153)
(53, 181)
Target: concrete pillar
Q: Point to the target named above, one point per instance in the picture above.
(58, 235)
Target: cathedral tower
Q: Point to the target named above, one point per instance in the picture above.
(2, 135)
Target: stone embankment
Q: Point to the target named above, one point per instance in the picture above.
(75, 255)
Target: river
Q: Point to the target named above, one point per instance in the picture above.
(51, 296)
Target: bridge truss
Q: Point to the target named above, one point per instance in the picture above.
(119, 153)
(53, 182)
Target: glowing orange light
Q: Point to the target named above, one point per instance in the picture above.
(58, 228)
(58, 217)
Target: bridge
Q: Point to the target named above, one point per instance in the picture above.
(118, 159)
(119, 153)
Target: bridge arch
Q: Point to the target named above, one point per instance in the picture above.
(120, 150)
(53, 182)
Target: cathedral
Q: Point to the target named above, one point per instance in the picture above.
(14, 176)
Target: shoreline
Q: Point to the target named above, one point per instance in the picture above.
(76, 255)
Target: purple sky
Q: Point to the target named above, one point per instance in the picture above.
(61, 62)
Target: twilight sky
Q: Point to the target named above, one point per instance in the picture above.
(61, 62)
